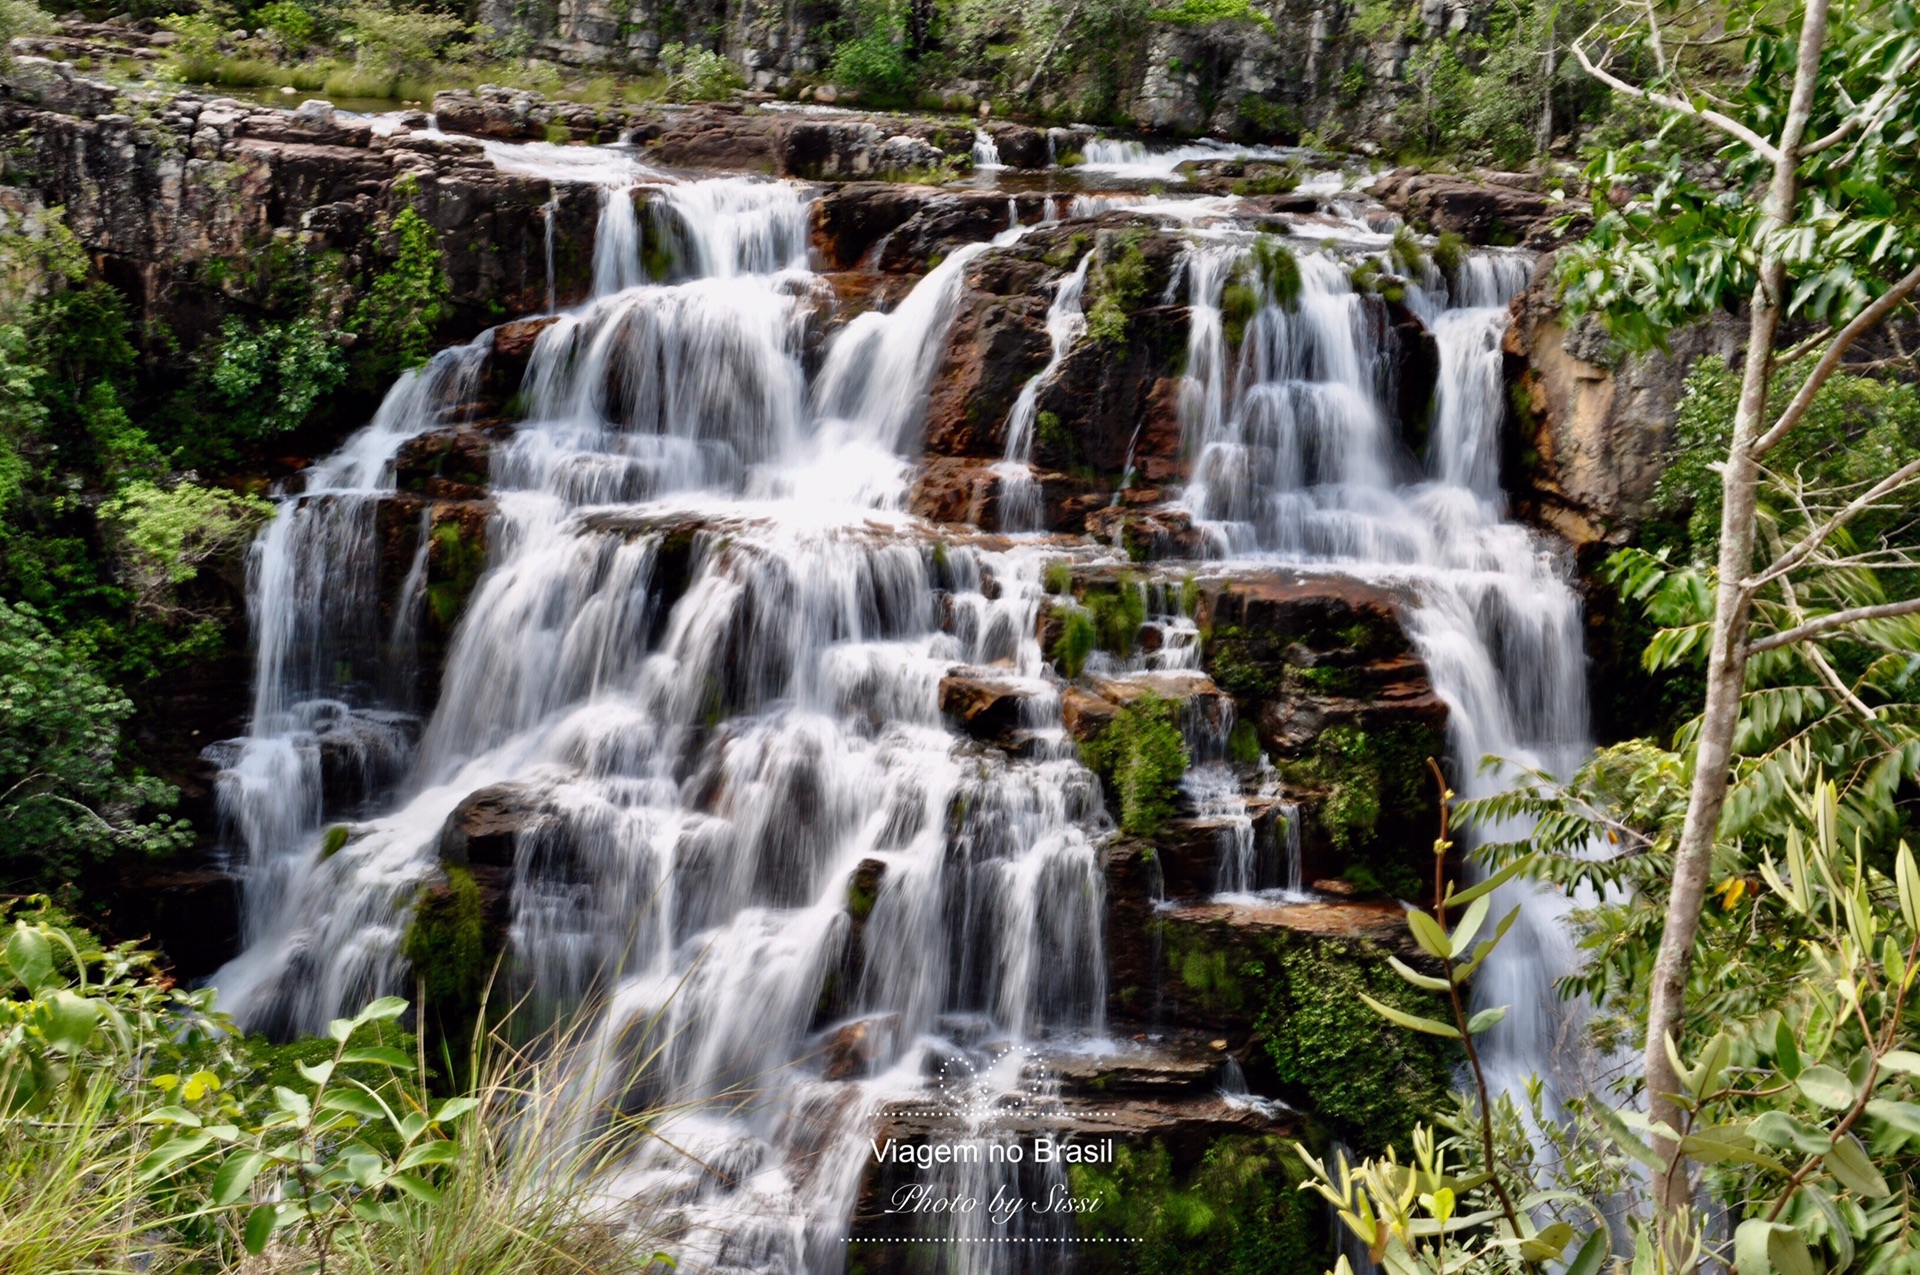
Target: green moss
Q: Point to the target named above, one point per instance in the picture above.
(1119, 283)
(1379, 801)
(446, 942)
(1238, 1212)
(1058, 577)
(1243, 744)
(1238, 304)
(333, 840)
(1236, 660)
(1278, 270)
(1450, 253)
(455, 561)
(1118, 612)
(1332, 1056)
(1142, 757)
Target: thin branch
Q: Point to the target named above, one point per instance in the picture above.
(1725, 123)
(1870, 113)
(1839, 619)
(1812, 541)
(1886, 303)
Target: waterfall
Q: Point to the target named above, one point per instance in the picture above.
(986, 154)
(1019, 493)
(702, 672)
(705, 658)
(1296, 459)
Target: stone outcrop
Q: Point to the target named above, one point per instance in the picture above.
(1493, 209)
(1595, 423)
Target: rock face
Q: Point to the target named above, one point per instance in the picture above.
(202, 208)
(1594, 423)
(1493, 210)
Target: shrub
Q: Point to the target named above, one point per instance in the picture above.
(163, 536)
(873, 63)
(294, 26)
(695, 74)
(1194, 13)
(397, 318)
(267, 380)
(1142, 755)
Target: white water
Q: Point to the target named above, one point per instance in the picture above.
(708, 649)
(1296, 458)
(1019, 492)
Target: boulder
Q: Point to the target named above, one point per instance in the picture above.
(1479, 211)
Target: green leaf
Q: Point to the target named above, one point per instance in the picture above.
(1826, 1087)
(1786, 1050)
(259, 1229)
(454, 1108)
(1848, 1162)
(1907, 878)
(171, 1115)
(379, 1011)
(1904, 1116)
(1494, 882)
(1485, 1019)
(236, 1175)
(1904, 1061)
(1778, 1129)
(1547, 1243)
(439, 1151)
(1426, 982)
(29, 957)
(409, 1185)
(385, 1055)
(1470, 925)
(316, 1073)
(171, 1152)
(1593, 1254)
(1625, 1138)
(1428, 934)
(1768, 1248)
(294, 1104)
(1427, 1025)
(355, 1103)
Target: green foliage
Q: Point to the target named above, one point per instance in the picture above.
(1058, 578)
(1375, 781)
(397, 317)
(292, 24)
(696, 74)
(1243, 744)
(1667, 248)
(873, 62)
(1142, 755)
(67, 801)
(1078, 639)
(1449, 252)
(267, 379)
(392, 44)
(1238, 1212)
(1193, 13)
(163, 536)
(1119, 284)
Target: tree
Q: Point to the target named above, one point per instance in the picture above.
(1814, 222)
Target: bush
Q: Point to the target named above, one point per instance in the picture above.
(695, 74)
(163, 537)
(292, 25)
(64, 803)
(267, 380)
(874, 63)
(1195, 13)
(1142, 755)
(395, 44)
(396, 319)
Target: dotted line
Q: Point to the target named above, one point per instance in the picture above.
(1002, 1239)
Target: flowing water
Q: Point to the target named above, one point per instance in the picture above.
(704, 661)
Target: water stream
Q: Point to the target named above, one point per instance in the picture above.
(705, 660)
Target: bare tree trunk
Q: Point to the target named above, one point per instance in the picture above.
(1726, 660)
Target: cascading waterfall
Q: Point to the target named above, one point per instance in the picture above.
(706, 654)
(704, 665)
(1296, 458)
(1018, 492)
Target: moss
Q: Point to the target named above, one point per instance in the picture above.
(1142, 757)
(1235, 660)
(1378, 802)
(1278, 271)
(1450, 253)
(1243, 744)
(1239, 1211)
(333, 840)
(1189, 595)
(446, 943)
(1058, 578)
(1118, 612)
(1328, 1053)
(455, 561)
(1119, 283)
(1238, 304)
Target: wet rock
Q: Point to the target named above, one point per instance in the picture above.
(1481, 212)
(849, 220)
(1020, 146)
(1416, 375)
(1084, 713)
(483, 830)
(986, 706)
(192, 915)
(852, 1050)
